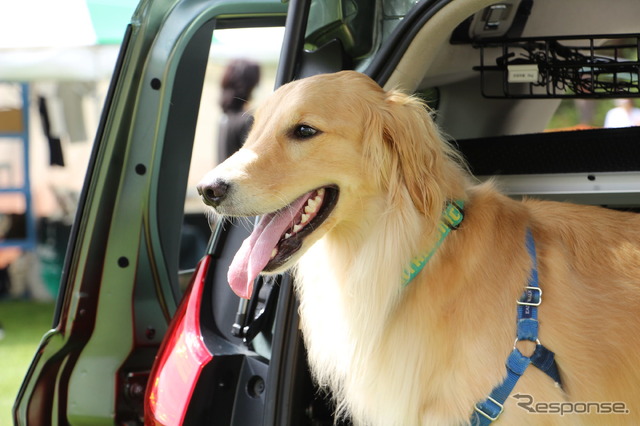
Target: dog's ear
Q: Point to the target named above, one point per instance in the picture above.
(414, 156)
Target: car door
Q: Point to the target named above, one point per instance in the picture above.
(121, 281)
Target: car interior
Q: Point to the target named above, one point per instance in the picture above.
(480, 108)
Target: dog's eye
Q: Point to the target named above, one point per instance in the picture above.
(303, 131)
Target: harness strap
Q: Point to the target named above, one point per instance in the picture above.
(490, 409)
(545, 360)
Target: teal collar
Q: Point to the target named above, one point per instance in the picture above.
(452, 216)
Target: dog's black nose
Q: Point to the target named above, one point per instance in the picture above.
(213, 193)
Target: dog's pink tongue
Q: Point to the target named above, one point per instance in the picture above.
(255, 252)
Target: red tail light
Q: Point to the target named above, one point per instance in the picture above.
(180, 359)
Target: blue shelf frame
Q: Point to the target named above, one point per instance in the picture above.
(29, 242)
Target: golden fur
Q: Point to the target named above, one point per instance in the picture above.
(426, 353)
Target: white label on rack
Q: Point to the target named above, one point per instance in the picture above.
(522, 73)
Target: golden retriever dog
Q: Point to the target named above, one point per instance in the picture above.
(351, 182)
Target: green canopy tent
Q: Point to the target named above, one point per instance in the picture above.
(61, 40)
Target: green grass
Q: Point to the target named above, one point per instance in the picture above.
(24, 324)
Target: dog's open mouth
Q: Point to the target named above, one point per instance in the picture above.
(316, 206)
(278, 236)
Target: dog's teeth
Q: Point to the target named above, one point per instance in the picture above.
(297, 228)
(274, 252)
(304, 218)
(287, 236)
(321, 192)
(312, 204)
(318, 200)
(308, 209)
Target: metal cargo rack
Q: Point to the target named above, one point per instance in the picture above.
(602, 66)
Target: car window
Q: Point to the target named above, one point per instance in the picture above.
(582, 114)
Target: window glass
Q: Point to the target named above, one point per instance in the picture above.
(578, 114)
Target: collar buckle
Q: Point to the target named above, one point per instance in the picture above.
(453, 215)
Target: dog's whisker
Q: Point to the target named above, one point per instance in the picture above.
(247, 223)
(213, 218)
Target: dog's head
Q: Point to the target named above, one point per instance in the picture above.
(320, 152)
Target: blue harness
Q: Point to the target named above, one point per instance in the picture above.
(490, 409)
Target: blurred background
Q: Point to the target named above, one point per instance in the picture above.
(56, 62)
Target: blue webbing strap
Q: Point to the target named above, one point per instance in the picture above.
(490, 409)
